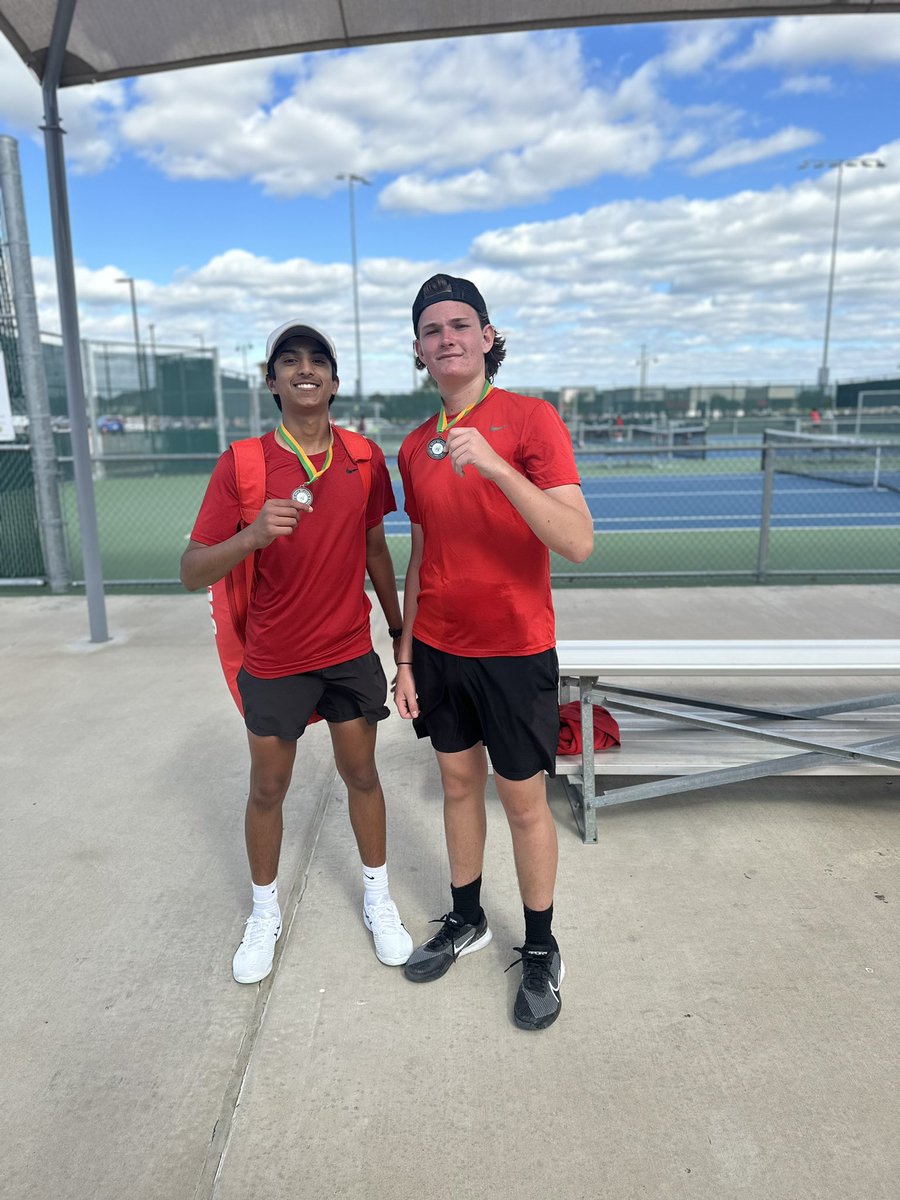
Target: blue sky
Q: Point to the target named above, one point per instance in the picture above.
(607, 188)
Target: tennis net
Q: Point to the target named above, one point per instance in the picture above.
(856, 462)
(682, 440)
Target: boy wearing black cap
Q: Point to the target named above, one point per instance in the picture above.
(308, 643)
(491, 486)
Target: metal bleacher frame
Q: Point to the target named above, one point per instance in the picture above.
(665, 721)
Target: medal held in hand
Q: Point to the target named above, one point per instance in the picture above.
(437, 447)
(303, 495)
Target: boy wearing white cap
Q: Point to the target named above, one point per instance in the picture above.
(308, 647)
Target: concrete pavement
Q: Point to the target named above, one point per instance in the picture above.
(730, 1024)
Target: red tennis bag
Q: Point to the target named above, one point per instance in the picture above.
(229, 598)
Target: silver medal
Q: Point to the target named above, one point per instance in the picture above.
(436, 448)
(302, 495)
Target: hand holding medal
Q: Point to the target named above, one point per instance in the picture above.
(439, 446)
(277, 518)
(466, 447)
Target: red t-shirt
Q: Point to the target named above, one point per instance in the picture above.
(484, 583)
(309, 608)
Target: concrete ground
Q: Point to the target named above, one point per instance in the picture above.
(730, 1027)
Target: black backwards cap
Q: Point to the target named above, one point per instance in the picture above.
(448, 287)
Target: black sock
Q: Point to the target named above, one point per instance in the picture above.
(467, 901)
(537, 927)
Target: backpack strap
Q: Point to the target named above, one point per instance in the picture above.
(229, 597)
(250, 477)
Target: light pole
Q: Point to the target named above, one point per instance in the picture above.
(142, 383)
(644, 362)
(840, 163)
(351, 179)
(252, 391)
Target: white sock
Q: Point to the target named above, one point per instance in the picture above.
(265, 899)
(375, 881)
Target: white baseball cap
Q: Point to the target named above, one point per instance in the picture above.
(298, 329)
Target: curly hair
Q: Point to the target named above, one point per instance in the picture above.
(449, 287)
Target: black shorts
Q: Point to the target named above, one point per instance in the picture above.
(281, 707)
(511, 703)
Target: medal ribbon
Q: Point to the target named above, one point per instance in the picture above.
(311, 472)
(443, 424)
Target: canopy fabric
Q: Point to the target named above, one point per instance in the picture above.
(111, 39)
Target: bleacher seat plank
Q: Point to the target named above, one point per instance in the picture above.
(662, 741)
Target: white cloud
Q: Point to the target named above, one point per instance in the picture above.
(565, 158)
(87, 114)
(293, 125)
(748, 150)
(864, 38)
(695, 47)
(534, 117)
(801, 85)
(724, 289)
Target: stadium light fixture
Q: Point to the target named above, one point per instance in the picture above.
(351, 179)
(644, 363)
(831, 163)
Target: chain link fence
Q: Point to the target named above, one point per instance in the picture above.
(676, 499)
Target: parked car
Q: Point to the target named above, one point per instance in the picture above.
(111, 425)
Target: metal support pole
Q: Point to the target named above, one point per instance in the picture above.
(765, 518)
(95, 437)
(221, 433)
(823, 370)
(255, 417)
(840, 164)
(355, 293)
(68, 313)
(34, 380)
(351, 179)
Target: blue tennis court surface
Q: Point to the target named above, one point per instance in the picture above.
(682, 501)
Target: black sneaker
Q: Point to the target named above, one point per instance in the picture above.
(538, 1001)
(435, 957)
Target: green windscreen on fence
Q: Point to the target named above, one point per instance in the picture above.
(20, 546)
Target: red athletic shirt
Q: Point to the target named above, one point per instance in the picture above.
(484, 583)
(309, 608)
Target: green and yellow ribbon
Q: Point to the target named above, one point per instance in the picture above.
(443, 424)
(305, 462)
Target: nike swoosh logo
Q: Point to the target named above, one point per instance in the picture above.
(554, 990)
(350, 470)
(494, 428)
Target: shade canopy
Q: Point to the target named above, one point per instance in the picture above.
(111, 39)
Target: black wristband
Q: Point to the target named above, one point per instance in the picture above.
(393, 634)
(403, 664)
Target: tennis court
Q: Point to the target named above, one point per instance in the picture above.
(717, 502)
(658, 517)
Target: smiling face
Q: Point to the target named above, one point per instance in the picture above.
(304, 378)
(452, 343)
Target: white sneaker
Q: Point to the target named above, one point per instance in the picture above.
(253, 958)
(393, 945)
